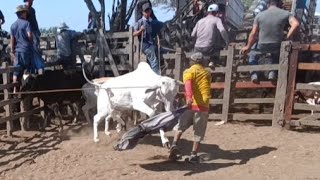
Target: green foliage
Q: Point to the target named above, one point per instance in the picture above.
(52, 31)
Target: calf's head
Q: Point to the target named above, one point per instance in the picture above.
(168, 89)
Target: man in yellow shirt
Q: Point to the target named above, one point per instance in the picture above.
(197, 86)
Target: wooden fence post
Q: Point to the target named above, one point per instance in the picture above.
(227, 85)
(178, 67)
(280, 97)
(293, 66)
(7, 96)
(131, 49)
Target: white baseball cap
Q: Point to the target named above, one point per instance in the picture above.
(213, 8)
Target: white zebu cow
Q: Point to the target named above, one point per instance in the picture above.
(140, 90)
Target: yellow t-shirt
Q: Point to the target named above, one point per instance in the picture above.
(201, 80)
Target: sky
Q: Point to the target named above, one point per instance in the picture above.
(73, 12)
(52, 12)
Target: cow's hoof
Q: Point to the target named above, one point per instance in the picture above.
(107, 133)
(96, 140)
(167, 145)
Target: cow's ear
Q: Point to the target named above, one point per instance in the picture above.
(151, 89)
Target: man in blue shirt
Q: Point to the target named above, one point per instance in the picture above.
(64, 41)
(143, 29)
(21, 42)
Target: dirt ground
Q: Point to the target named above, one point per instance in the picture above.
(232, 151)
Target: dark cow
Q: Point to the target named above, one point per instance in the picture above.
(55, 80)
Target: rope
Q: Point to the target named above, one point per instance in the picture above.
(72, 90)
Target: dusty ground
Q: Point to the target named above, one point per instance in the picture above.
(231, 151)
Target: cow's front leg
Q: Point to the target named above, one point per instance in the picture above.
(106, 128)
(164, 139)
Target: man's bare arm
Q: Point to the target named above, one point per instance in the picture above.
(294, 26)
(252, 39)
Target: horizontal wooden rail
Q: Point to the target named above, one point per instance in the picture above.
(9, 101)
(307, 47)
(266, 67)
(245, 117)
(21, 114)
(245, 85)
(309, 66)
(245, 101)
(217, 70)
(215, 116)
(305, 86)
(307, 107)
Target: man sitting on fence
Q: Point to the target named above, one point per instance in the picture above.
(269, 25)
(144, 30)
(64, 49)
(206, 33)
(197, 86)
(21, 43)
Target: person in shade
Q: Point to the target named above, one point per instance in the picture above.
(2, 20)
(33, 22)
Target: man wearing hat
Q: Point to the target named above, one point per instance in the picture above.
(64, 45)
(21, 42)
(207, 32)
(143, 29)
(197, 87)
(33, 23)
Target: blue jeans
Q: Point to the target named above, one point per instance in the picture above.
(150, 52)
(273, 49)
(23, 61)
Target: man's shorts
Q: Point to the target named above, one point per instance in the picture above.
(197, 119)
(23, 61)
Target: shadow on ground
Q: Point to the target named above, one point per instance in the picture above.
(211, 152)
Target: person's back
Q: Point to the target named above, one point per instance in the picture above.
(201, 80)
(19, 30)
(207, 31)
(271, 23)
(64, 43)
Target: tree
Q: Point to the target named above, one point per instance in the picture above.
(52, 31)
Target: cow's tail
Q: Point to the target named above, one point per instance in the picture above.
(87, 79)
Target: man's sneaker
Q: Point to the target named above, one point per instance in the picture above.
(193, 159)
(174, 153)
(254, 78)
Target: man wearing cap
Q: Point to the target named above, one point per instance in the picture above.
(21, 42)
(269, 25)
(64, 50)
(2, 21)
(207, 31)
(33, 23)
(143, 29)
(197, 87)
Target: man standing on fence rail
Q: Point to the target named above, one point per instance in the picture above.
(64, 50)
(144, 30)
(197, 86)
(206, 33)
(21, 43)
(269, 25)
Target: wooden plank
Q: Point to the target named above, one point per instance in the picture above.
(136, 56)
(9, 69)
(117, 35)
(280, 97)
(228, 81)
(131, 48)
(245, 85)
(310, 123)
(215, 116)
(293, 65)
(21, 114)
(9, 101)
(266, 67)
(254, 101)
(305, 86)
(178, 65)
(309, 66)
(245, 117)
(307, 107)
(169, 56)
(245, 101)
(307, 47)
(217, 70)
(108, 52)
(223, 53)
(8, 108)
